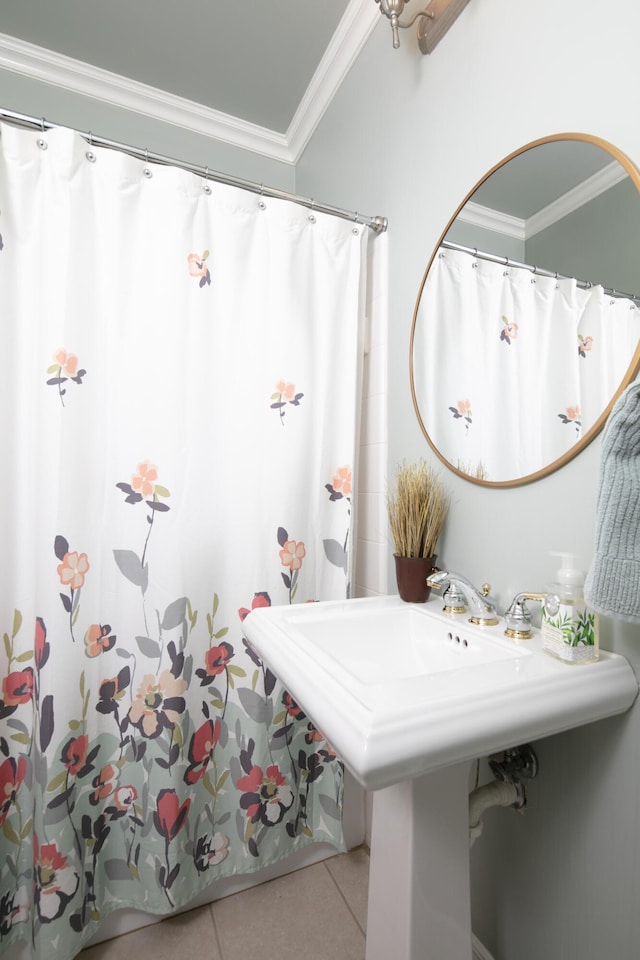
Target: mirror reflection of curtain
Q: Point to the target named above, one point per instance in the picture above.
(178, 422)
(513, 368)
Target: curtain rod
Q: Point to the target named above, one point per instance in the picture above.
(539, 271)
(377, 224)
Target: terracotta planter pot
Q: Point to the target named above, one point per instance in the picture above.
(411, 576)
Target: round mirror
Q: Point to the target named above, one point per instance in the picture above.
(527, 323)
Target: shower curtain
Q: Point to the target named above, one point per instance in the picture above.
(514, 368)
(178, 413)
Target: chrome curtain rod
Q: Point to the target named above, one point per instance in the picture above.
(377, 224)
(539, 271)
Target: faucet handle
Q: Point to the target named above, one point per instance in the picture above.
(518, 617)
(454, 600)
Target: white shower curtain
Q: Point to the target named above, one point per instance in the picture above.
(178, 413)
(511, 369)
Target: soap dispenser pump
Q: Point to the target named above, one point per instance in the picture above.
(569, 628)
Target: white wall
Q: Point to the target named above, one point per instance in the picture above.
(406, 137)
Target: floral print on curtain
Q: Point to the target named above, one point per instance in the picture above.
(145, 750)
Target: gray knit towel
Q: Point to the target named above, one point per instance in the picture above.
(612, 585)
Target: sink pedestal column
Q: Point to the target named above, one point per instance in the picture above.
(419, 897)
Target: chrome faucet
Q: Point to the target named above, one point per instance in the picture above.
(518, 619)
(481, 606)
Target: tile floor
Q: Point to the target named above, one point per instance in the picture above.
(318, 913)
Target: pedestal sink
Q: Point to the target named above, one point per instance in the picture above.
(408, 696)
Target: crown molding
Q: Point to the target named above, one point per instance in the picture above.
(38, 63)
(586, 191)
(494, 220)
(572, 200)
(356, 26)
(352, 32)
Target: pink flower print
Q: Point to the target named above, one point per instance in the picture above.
(98, 639)
(68, 362)
(462, 411)
(572, 415)
(72, 570)
(292, 708)
(157, 704)
(143, 482)
(64, 368)
(291, 557)
(285, 393)
(292, 554)
(124, 799)
(75, 756)
(509, 331)
(198, 267)
(340, 486)
(584, 345)
(55, 882)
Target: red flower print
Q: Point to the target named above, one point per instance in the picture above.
(12, 773)
(267, 797)
(158, 703)
(143, 482)
(98, 639)
(55, 882)
(292, 554)
(40, 645)
(72, 570)
(75, 755)
(203, 743)
(170, 815)
(259, 600)
(18, 687)
(215, 661)
(292, 707)
(104, 784)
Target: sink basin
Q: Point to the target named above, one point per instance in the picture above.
(401, 689)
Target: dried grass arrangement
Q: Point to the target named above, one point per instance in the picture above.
(417, 505)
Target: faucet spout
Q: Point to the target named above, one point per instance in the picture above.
(481, 606)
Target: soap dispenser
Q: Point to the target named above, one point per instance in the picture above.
(569, 628)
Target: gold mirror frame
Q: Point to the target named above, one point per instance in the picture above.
(634, 365)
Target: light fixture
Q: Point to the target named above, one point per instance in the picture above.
(433, 23)
(393, 10)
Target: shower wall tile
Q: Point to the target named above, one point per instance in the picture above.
(374, 424)
(372, 517)
(371, 566)
(372, 477)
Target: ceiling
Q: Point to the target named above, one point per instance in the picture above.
(251, 61)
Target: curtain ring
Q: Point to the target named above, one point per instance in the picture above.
(42, 124)
(205, 186)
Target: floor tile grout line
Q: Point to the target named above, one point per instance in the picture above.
(347, 904)
(215, 929)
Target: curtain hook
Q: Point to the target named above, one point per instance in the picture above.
(42, 124)
(312, 216)
(261, 202)
(205, 186)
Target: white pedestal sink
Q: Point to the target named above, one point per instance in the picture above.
(408, 696)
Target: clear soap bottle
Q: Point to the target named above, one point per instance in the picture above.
(569, 628)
